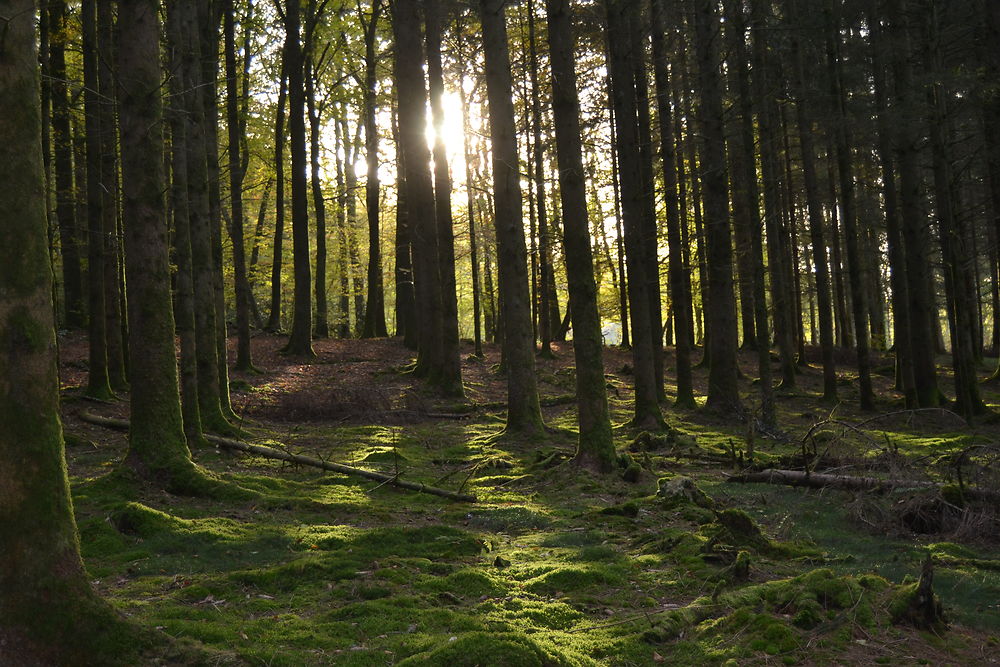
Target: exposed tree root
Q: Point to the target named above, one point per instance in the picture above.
(271, 453)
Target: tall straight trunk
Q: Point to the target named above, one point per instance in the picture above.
(768, 89)
(894, 238)
(403, 271)
(523, 411)
(98, 382)
(48, 611)
(470, 192)
(343, 142)
(209, 20)
(650, 235)
(845, 338)
(955, 252)
(619, 235)
(110, 195)
(420, 204)
(356, 271)
(244, 358)
(815, 211)
(742, 167)
(300, 339)
(184, 316)
(203, 269)
(545, 322)
(746, 207)
(253, 272)
(595, 448)
(620, 66)
(450, 369)
(723, 390)
(681, 309)
(321, 328)
(374, 326)
(274, 314)
(62, 142)
(158, 449)
(849, 208)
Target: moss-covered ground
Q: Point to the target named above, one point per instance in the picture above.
(553, 565)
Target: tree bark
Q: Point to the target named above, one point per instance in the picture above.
(595, 447)
(48, 612)
(274, 314)
(723, 390)
(244, 358)
(523, 411)
(300, 339)
(449, 373)
(375, 326)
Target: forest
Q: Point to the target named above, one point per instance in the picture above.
(499, 332)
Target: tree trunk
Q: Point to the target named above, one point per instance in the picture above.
(158, 449)
(620, 37)
(185, 306)
(274, 315)
(595, 447)
(206, 348)
(244, 359)
(815, 212)
(681, 308)
(420, 204)
(62, 141)
(321, 328)
(375, 307)
(723, 390)
(746, 206)
(110, 195)
(300, 339)
(845, 172)
(98, 384)
(523, 411)
(449, 372)
(48, 612)
(923, 311)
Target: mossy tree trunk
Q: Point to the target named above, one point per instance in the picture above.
(157, 446)
(184, 314)
(596, 447)
(523, 411)
(48, 613)
(199, 216)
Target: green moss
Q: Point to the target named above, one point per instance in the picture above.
(568, 579)
(503, 650)
(508, 519)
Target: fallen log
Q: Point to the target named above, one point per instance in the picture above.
(272, 453)
(851, 483)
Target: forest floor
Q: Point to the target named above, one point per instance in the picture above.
(552, 565)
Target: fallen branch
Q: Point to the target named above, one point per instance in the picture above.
(849, 483)
(271, 453)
